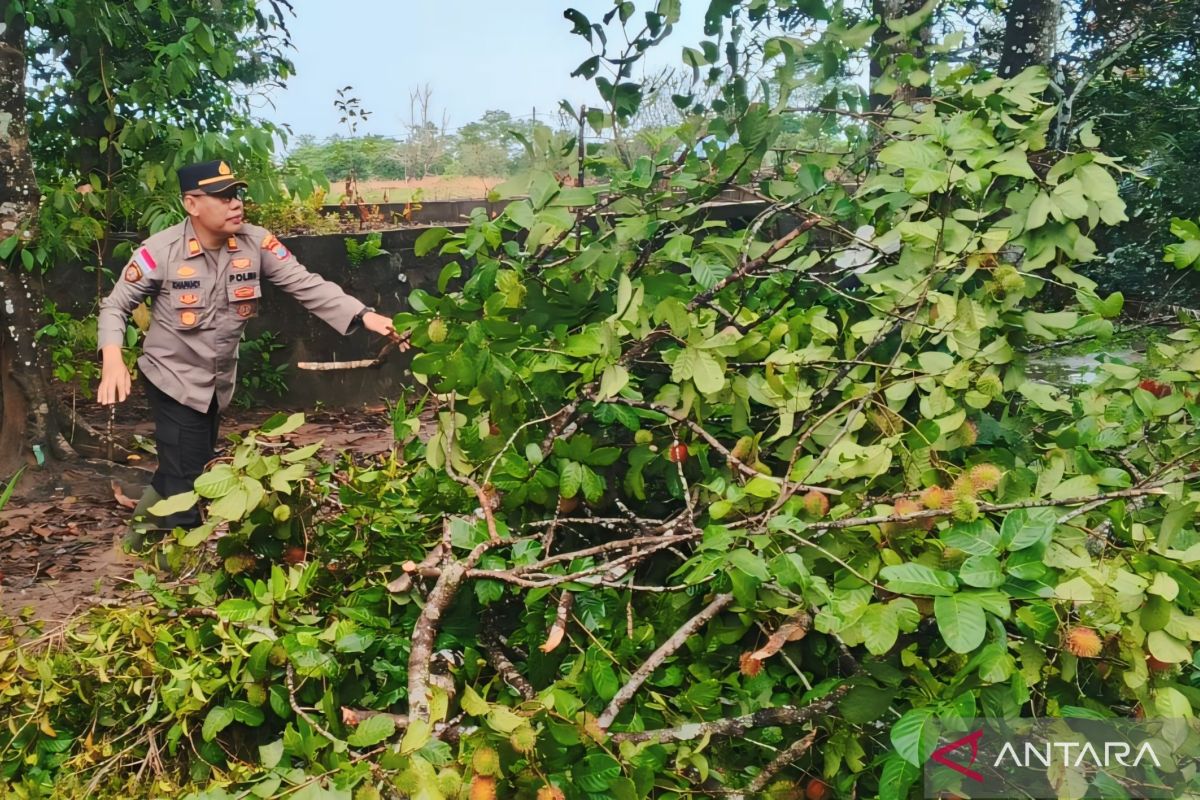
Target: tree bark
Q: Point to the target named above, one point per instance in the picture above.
(29, 408)
(1030, 35)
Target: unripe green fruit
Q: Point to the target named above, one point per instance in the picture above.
(523, 739)
(282, 513)
(256, 695)
(437, 330)
(990, 384)
(965, 509)
(278, 656)
(643, 436)
(486, 761)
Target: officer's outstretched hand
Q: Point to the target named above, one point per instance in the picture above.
(378, 323)
(115, 382)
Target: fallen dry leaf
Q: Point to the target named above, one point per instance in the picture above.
(792, 630)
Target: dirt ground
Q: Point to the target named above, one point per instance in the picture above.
(60, 532)
(434, 187)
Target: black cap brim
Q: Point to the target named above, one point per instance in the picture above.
(220, 186)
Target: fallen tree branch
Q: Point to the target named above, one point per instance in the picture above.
(854, 522)
(735, 726)
(673, 643)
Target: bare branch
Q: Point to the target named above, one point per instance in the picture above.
(673, 643)
(735, 726)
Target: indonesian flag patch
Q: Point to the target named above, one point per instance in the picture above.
(276, 247)
(143, 258)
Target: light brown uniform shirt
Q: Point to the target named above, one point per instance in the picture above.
(201, 306)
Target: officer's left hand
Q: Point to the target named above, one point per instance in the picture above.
(378, 323)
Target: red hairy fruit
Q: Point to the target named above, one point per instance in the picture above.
(816, 503)
(1083, 642)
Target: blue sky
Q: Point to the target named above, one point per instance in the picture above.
(515, 55)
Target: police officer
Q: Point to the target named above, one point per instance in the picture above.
(205, 277)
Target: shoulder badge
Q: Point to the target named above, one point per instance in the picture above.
(133, 273)
(233, 245)
(144, 260)
(275, 246)
(193, 247)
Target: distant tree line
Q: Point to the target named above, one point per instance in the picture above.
(494, 144)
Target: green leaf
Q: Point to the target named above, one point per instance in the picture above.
(372, 731)
(299, 455)
(429, 240)
(473, 704)
(613, 380)
(961, 621)
(417, 736)
(701, 367)
(915, 735)
(1026, 527)
(571, 479)
(217, 720)
(918, 579)
(981, 571)
(596, 773)
(217, 482)
(880, 628)
(604, 680)
(173, 504)
(270, 754)
(897, 778)
(237, 610)
(1166, 647)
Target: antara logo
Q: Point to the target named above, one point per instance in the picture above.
(1031, 755)
(972, 740)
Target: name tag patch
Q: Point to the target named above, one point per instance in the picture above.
(243, 277)
(185, 285)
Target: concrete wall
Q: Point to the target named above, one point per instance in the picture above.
(383, 282)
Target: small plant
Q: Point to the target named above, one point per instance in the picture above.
(256, 374)
(361, 252)
(72, 344)
(285, 215)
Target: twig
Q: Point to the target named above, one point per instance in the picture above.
(300, 712)
(735, 726)
(673, 643)
(793, 752)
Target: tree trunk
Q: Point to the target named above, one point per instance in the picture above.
(29, 418)
(1030, 35)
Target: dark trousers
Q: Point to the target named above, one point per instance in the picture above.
(186, 440)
